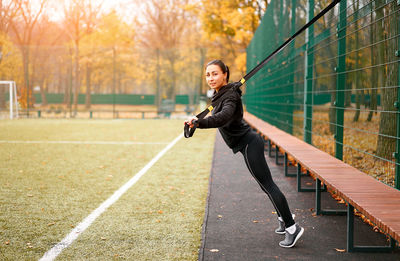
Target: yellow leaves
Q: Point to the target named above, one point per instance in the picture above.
(240, 62)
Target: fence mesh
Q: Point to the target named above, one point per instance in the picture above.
(336, 86)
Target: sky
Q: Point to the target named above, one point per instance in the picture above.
(127, 8)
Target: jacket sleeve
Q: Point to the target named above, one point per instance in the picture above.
(222, 117)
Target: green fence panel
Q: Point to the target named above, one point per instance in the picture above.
(122, 99)
(335, 86)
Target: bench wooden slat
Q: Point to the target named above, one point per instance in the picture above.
(377, 201)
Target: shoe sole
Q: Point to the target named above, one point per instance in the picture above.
(295, 240)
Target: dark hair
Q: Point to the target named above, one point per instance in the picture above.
(224, 68)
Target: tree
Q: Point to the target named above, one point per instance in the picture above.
(7, 13)
(166, 22)
(79, 14)
(387, 127)
(25, 21)
(106, 48)
(231, 25)
(43, 53)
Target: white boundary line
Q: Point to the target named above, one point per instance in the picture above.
(81, 142)
(81, 227)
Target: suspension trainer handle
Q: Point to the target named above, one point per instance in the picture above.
(188, 132)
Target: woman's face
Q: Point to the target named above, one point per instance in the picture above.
(215, 77)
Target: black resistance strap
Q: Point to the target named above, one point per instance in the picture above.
(188, 132)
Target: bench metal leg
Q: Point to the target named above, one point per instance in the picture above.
(287, 174)
(318, 208)
(299, 174)
(350, 237)
(269, 148)
(277, 156)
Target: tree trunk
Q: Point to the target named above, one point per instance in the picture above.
(43, 91)
(372, 103)
(2, 96)
(357, 60)
(88, 86)
(159, 91)
(387, 127)
(76, 79)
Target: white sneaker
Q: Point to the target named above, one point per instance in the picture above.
(291, 239)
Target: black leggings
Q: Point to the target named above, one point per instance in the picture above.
(254, 156)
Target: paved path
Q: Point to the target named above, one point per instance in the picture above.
(240, 223)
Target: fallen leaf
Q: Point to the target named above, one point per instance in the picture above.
(340, 250)
(214, 250)
(160, 212)
(376, 229)
(158, 221)
(51, 224)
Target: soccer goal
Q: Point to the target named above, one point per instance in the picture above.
(13, 97)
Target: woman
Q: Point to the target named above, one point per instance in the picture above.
(227, 116)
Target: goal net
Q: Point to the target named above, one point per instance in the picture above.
(13, 103)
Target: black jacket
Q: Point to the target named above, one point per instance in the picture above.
(227, 116)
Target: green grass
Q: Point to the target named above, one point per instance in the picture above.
(47, 189)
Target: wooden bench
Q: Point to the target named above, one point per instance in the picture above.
(377, 201)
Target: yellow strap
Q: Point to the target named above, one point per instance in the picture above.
(210, 108)
(242, 80)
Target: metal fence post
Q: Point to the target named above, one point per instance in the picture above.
(292, 68)
(341, 79)
(308, 75)
(397, 153)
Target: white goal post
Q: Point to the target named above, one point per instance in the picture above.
(13, 97)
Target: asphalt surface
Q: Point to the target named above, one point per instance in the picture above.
(239, 221)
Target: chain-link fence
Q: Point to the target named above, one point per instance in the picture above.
(336, 86)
